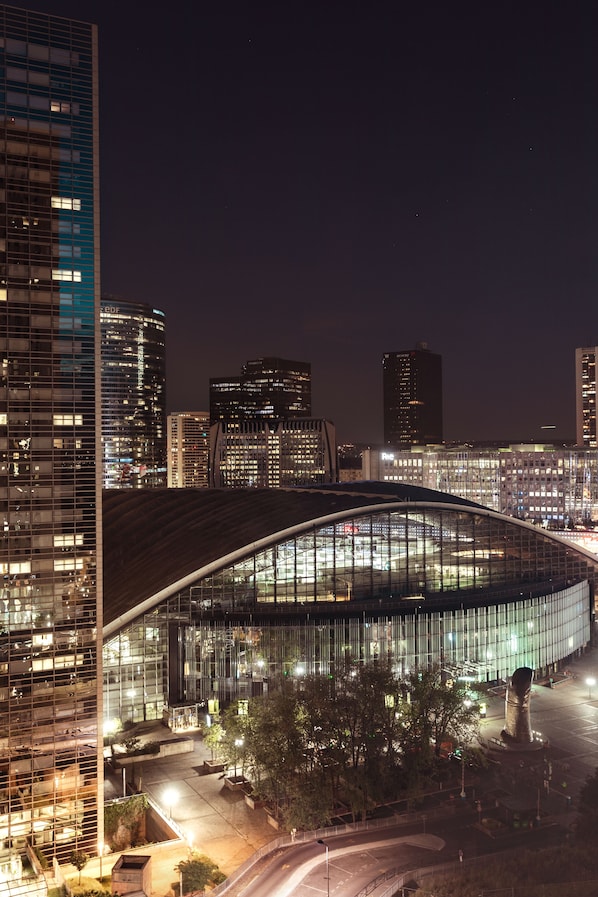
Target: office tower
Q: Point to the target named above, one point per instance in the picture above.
(188, 442)
(50, 608)
(585, 396)
(133, 394)
(273, 454)
(268, 388)
(412, 389)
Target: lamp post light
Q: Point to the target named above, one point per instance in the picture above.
(463, 794)
(325, 846)
(590, 682)
(101, 854)
(170, 798)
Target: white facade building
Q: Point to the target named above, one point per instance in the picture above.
(545, 484)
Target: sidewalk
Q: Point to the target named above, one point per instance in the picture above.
(212, 819)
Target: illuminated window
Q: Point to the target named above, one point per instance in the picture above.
(66, 274)
(68, 540)
(15, 569)
(61, 106)
(66, 202)
(68, 420)
(68, 564)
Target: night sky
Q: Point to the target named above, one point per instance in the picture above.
(328, 181)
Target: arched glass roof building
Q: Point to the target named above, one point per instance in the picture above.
(219, 594)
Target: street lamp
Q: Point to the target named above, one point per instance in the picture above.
(101, 854)
(325, 846)
(171, 796)
(590, 682)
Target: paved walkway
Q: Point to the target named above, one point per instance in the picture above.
(217, 821)
(210, 817)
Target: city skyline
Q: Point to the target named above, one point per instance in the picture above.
(346, 183)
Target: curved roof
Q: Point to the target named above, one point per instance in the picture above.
(154, 537)
(158, 540)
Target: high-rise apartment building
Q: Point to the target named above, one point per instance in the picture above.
(50, 607)
(133, 394)
(412, 391)
(188, 449)
(585, 396)
(267, 388)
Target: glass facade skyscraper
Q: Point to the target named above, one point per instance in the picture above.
(50, 608)
(133, 394)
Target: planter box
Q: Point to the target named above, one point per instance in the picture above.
(273, 821)
(254, 802)
(237, 783)
(213, 765)
(167, 748)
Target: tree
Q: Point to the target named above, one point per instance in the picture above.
(197, 872)
(123, 821)
(368, 718)
(213, 739)
(79, 859)
(440, 710)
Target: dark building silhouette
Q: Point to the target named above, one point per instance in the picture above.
(412, 384)
(267, 388)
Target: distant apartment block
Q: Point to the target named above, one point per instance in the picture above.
(267, 388)
(273, 454)
(188, 449)
(133, 394)
(548, 485)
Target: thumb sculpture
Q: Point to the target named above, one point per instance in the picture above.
(517, 707)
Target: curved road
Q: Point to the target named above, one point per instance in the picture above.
(354, 859)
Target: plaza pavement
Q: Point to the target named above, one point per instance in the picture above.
(217, 821)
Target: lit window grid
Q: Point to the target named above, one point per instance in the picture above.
(508, 481)
(48, 690)
(233, 659)
(133, 395)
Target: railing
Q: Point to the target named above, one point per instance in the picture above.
(306, 837)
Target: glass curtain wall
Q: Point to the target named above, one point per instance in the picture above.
(424, 586)
(50, 778)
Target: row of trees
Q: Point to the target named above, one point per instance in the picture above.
(364, 738)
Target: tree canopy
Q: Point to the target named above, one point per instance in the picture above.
(363, 737)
